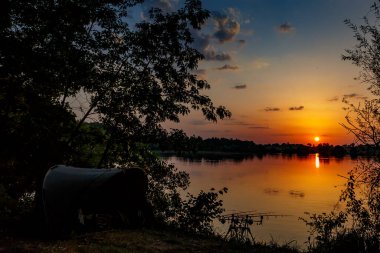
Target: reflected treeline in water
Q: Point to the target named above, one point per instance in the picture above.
(211, 157)
(220, 157)
(217, 149)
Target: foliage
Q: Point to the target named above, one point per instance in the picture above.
(331, 233)
(357, 229)
(65, 64)
(7, 204)
(180, 142)
(166, 183)
(362, 198)
(366, 53)
(325, 229)
(198, 212)
(193, 213)
(365, 122)
(362, 193)
(14, 211)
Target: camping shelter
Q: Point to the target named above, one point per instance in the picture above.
(71, 193)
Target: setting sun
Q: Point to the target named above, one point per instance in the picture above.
(316, 138)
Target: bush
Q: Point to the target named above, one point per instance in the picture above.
(198, 212)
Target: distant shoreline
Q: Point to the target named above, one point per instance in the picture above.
(221, 147)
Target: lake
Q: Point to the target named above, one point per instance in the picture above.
(284, 185)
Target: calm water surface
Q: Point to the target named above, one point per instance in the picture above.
(279, 184)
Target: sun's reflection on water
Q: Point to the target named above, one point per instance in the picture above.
(317, 161)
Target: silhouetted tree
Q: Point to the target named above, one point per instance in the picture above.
(65, 63)
(363, 121)
(362, 192)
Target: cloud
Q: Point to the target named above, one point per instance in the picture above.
(247, 21)
(272, 109)
(240, 86)
(260, 64)
(199, 122)
(228, 67)
(333, 99)
(201, 73)
(225, 28)
(227, 25)
(211, 55)
(285, 28)
(164, 5)
(296, 108)
(284, 134)
(203, 42)
(259, 127)
(271, 191)
(354, 95)
(234, 122)
(296, 194)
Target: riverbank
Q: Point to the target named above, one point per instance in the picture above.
(134, 241)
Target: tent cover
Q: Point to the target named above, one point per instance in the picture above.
(73, 194)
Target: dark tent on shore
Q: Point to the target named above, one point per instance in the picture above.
(79, 197)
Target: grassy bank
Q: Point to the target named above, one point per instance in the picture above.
(133, 241)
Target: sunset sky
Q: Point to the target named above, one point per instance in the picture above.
(276, 65)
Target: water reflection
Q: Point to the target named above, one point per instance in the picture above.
(216, 158)
(317, 160)
(280, 184)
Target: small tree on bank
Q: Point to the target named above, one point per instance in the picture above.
(361, 195)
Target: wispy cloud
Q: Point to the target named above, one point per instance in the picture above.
(199, 122)
(240, 86)
(201, 73)
(353, 95)
(284, 135)
(333, 99)
(271, 191)
(296, 108)
(296, 194)
(235, 122)
(211, 55)
(238, 123)
(272, 109)
(164, 5)
(228, 67)
(260, 64)
(285, 28)
(259, 127)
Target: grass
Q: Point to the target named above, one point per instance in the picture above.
(134, 241)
